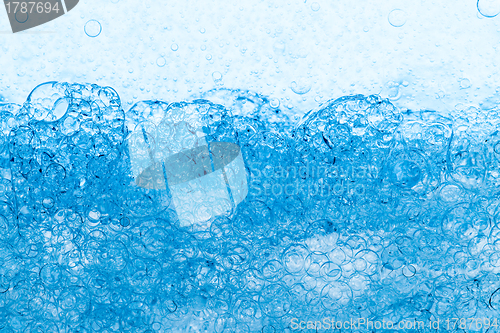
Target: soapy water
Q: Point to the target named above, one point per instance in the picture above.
(360, 209)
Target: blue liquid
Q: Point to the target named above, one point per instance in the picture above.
(359, 210)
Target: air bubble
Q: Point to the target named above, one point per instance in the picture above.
(301, 86)
(488, 8)
(93, 28)
(315, 6)
(465, 83)
(397, 18)
(161, 61)
(274, 103)
(174, 47)
(216, 76)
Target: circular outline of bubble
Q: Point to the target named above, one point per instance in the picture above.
(87, 33)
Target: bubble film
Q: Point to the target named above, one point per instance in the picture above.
(360, 209)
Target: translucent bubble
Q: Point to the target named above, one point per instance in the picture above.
(93, 28)
(48, 102)
(51, 275)
(216, 76)
(301, 86)
(275, 301)
(397, 18)
(294, 259)
(161, 61)
(335, 295)
(488, 8)
(315, 6)
(174, 47)
(465, 83)
(274, 103)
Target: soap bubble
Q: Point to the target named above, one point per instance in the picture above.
(315, 6)
(397, 18)
(93, 28)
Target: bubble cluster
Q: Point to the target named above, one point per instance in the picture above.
(359, 210)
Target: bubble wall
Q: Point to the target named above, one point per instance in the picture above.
(359, 210)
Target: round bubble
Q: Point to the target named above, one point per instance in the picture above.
(488, 8)
(397, 18)
(274, 103)
(301, 86)
(93, 28)
(161, 61)
(217, 76)
(465, 83)
(21, 17)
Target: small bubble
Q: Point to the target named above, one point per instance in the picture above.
(217, 76)
(208, 57)
(465, 83)
(202, 30)
(125, 222)
(161, 61)
(274, 103)
(174, 47)
(397, 18)
(366, 29)
(315, 6)
(488, 8)
(405, 83)
(93, 28)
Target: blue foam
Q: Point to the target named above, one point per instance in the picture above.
(360, 210)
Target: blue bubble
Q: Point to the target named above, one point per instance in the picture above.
(93, 28)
